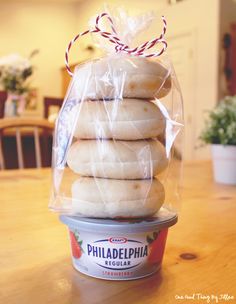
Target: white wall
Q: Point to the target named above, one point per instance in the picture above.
(43, 26)
(49, 27)
(202, 19)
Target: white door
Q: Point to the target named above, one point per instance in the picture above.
(181, 51)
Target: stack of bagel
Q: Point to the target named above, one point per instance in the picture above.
(116, 153)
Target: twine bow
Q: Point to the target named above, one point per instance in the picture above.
(119, 45)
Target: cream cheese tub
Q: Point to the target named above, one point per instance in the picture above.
(118, 249)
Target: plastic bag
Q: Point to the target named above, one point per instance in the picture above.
(114, 151)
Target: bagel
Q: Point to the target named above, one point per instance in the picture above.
(117, 159)
(111, 198)
(121, 77)
(128, 119)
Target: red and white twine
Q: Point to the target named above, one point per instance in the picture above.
(119, 45)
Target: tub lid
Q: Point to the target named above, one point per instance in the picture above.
(163, 219)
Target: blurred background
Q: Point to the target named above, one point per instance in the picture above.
(201, 40)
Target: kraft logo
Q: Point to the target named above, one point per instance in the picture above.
(118, 240)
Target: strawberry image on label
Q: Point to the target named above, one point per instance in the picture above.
(157, 246)
(76, 245)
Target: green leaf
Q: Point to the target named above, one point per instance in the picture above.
(155, 234)
(220, 127)
(149, 239)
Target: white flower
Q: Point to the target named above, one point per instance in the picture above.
(14, 71)
(14, 62)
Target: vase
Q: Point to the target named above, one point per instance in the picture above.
(14, 105)
(224, 164)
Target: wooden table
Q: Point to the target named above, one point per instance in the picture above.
(35, 259)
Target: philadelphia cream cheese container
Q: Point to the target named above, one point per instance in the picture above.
(119, 249)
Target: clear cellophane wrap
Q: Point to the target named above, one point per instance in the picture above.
(117, 148)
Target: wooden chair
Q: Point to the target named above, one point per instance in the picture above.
(16, 125)
(3, 98)
(51, 101)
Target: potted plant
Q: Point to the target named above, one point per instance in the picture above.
(14, 73)
(220, 132)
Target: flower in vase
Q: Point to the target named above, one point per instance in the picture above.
(14, 71)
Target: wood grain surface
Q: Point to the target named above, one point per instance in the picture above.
(35, 263)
